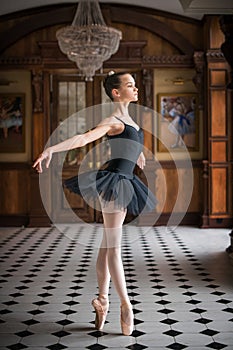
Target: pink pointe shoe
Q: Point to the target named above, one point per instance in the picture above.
(100, 312)
(127, 323)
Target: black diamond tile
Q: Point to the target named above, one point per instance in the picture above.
(21, 287)
(136, 347)
(163, 302)
(76, 287)
(137, 321)
(159, 287)
(11, 302)
(96, 347)
(61, 334)
(185, 286)
(35, 312)
(133, 294)
(68, 312)
(177, 346)
(169, 321)
(30, 322)
(49, 287)
(166, 311)
(224, 301)
(132, 287)
(228, 309)
(73, 295)
(57, 347)
(193, 301)
(97, 334)
(5, 311)
(16, 295)
(217, 293)
(172, 333)
(40, 303)
(182, 280)
(216, 345)
(64, 322)
(189, 294)
(24, 334)
(137, 333)
(71, 303)
(198, 311)
(209, 332)
(78, 281)
(136, 311)
(207, 279)
(160, 294)
(135, 302)
(203, 320)
(212, 286)
(52, 281)
(156, 280)
(26, 281)
(18, 346)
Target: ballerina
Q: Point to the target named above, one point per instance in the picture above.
(117, 188)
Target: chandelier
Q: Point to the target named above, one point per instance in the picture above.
(88, 41)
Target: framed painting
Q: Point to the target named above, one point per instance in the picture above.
(178, 122)
(12, 123)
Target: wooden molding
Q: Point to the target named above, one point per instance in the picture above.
(168, 61)
(215, 55)
(21, 61)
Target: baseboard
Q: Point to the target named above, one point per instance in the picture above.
(14, 220)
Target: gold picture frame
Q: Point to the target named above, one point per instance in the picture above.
(12, 123)
(178, 122)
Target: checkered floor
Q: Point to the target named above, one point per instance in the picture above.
(180, 282)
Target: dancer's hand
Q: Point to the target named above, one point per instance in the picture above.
(47, 154)
(141, 162)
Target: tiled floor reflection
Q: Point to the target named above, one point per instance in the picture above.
(180, 283)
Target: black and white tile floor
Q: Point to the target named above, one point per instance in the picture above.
(180, 282)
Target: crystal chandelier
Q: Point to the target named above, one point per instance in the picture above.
(88, 41)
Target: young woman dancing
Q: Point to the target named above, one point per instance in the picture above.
(117, 188)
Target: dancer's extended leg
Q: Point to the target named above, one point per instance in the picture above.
(113, 233)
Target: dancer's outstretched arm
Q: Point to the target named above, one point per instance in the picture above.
(73, 142)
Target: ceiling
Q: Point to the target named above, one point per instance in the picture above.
(189, 8)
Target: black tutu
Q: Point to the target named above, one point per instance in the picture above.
(126, 190)
(116, 181)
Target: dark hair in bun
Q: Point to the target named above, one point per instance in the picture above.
(112, 81)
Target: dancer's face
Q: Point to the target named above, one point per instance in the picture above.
(127, 92)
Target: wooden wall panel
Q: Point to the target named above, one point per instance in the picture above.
(218, 77)
(168, 184)
(14, 189)
(219, 198)
(218, 111)
(217, 173)
(219, 151)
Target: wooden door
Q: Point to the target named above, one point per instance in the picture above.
(70, 95)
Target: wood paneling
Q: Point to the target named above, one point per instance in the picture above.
(219, 151)
(218, 77)
(14, 189)
(218, 112)
(217, 175)
(219, 191)
(216, 37)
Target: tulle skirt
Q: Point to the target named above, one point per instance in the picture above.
(127, 191)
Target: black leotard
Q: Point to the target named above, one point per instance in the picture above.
(116, 181)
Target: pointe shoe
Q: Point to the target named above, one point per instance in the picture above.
(127, 323)
(100, 313)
